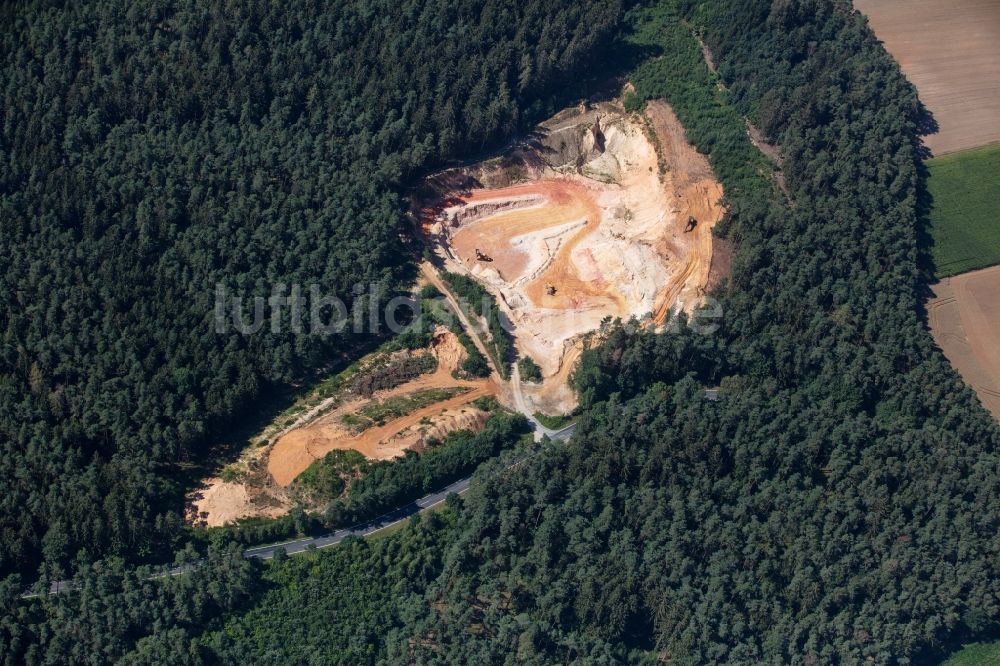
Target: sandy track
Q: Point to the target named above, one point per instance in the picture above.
(429, 272)
(951, 52)
(964, 317)
(296, 450)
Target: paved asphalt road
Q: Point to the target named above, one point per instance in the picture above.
(365, 529)
(387, 520)
(370, 527)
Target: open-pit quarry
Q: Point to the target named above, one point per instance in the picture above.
(599, 214)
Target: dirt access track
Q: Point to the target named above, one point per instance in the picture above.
(965, 322)
(296, 450)
(264, 489)
(600, 214)
(951, 52)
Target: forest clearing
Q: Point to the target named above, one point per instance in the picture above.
(964, 317)
(951, 53)
(600, 214)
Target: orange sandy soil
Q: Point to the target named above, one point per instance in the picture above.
(596, 222)
(951, 53)
(965, 322)
(696, 193)
(264, 493)
(296, 450)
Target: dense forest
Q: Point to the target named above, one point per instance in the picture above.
(837, 504)
(152, 151)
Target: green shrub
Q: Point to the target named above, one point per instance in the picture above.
(529, 370)
(475, 364)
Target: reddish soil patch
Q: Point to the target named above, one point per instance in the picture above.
(296, 450)
(552, 204)
(723, 251)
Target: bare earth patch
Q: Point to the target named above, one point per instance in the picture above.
(965, 321)
(266, 471)
(951, 53)
(220, 502)
(597, 228)
(296, 450)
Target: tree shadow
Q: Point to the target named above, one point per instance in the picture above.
(926, 126)
(925, 240)
(926, 268)
(602, 82)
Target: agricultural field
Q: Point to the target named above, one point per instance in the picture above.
(965, 210)
(976, 654)
(964, 317)
(951, 52)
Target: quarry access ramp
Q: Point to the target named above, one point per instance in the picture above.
(430, 272)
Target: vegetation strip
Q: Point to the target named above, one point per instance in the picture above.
(482, 304)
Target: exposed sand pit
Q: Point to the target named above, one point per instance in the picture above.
(595, 231)
(587, 222)
(964, 318)
(294, 452)
(220, 502)
(265, 472)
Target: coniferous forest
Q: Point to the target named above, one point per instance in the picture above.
(839, 502)
(152, 151)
